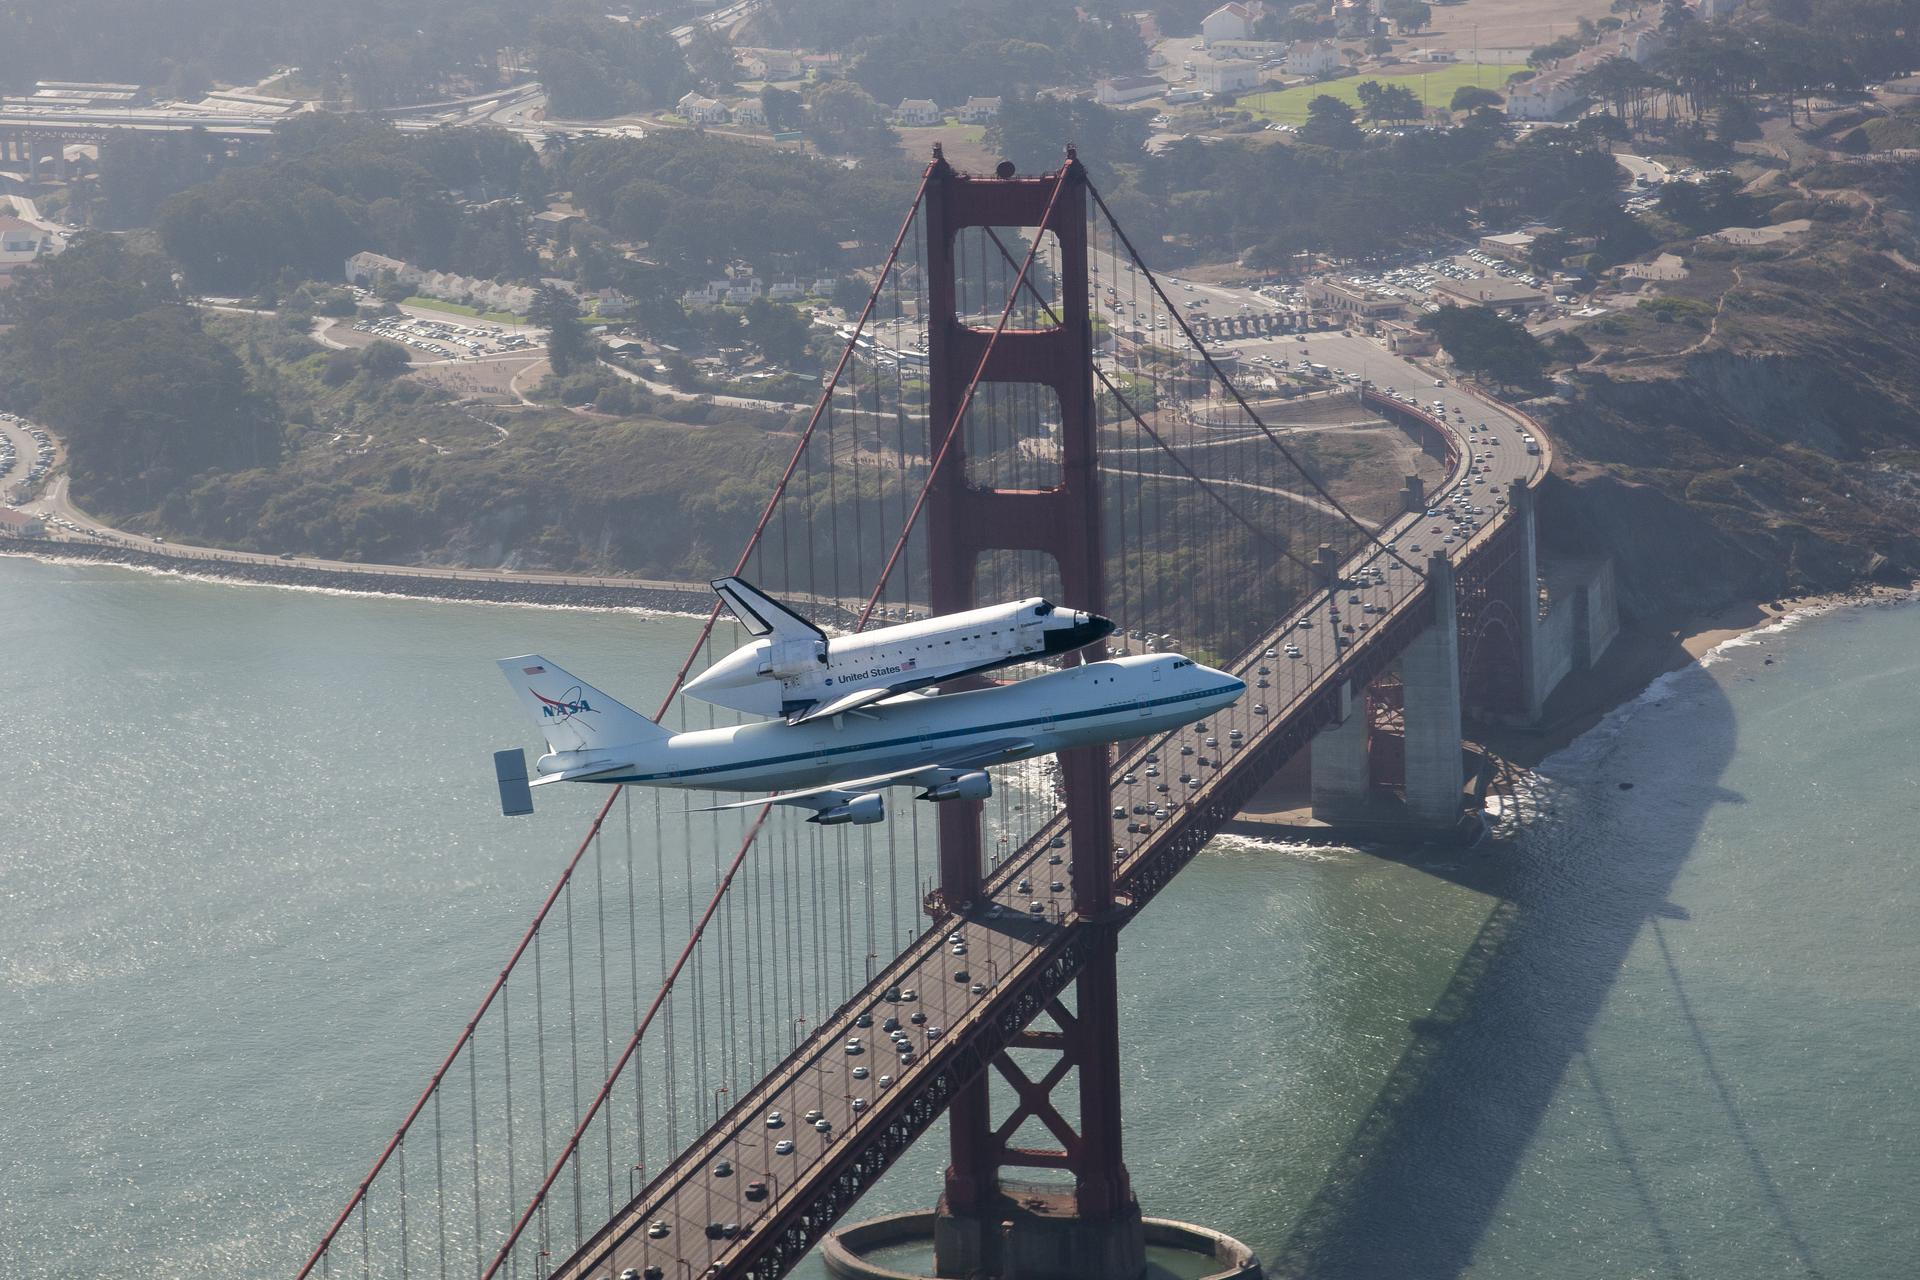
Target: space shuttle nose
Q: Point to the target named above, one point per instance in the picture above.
(1084, 630)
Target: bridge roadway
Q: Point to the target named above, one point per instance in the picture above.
(1023, 946)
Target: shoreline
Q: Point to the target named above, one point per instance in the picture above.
(1640, 655)
(370, 582)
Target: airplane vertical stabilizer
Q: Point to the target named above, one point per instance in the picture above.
(572, 714)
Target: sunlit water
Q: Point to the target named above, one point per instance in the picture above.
(252, 879)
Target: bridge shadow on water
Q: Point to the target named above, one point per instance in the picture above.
(1418, 1185)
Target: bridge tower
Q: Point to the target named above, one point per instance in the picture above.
(1094, 1230)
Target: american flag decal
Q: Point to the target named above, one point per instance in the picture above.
(533, 671)
(909, 664)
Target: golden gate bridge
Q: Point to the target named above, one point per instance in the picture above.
(720, 1029)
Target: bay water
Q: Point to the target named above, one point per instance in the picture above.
(253, 880)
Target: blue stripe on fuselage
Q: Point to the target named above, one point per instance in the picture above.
(971, 730)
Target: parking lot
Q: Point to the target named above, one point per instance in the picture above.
(450, 338)
(26, 453)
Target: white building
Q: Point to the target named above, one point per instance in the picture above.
(978, 110)
(1546, 96)
(917, 111)
(1229, 77)
(1257, 50)
(1231, 21)
(1313, 58)
(703, 110)
(365, 268)
(1123, 89)
(748, 111)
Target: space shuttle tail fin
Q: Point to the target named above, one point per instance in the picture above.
(761, 614)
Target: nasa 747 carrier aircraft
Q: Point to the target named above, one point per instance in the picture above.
(792, 669)
(837, 766)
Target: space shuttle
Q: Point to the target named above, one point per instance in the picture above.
(793, 669)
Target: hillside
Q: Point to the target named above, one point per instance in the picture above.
(1757, 433)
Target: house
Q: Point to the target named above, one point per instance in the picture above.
(1711, 9)
(1345, 298)
(712, 293)
(917, 111)
(1254, 50)
(18, 237)
(978, 110)
(20, 524)
(1642, 40)
(366, 268)
(1313, 58)
(1492, 292)
(1119, 90)
(1546, 96)
(748, 111)
(1408, 340)
(555, 226)
(703, 110)
(771, 64)
(1231, 21)
(1229, 77)
(1513, 246)
(786, 290)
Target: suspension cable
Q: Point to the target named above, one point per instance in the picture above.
(966, 397)
(1206, 355)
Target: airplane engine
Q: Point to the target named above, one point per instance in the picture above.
(968, 786)
(860, 811)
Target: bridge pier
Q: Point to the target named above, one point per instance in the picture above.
(1520, 501)
(1340, 772)
(1430, 674)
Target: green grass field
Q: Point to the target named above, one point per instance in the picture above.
(1436, 87)
(461, 309)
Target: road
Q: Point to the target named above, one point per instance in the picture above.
(848, 1089)
(55, 500)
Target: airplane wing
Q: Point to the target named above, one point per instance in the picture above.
(931, 774)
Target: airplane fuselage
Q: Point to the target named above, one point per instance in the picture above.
(1108, 701)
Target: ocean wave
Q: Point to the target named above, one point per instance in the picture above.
(1298, 850)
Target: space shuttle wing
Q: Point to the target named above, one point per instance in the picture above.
(930, 774)
(845, 702)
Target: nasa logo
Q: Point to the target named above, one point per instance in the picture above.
(565, 707)
(829, 680)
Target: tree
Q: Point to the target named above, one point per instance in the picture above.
(558, 312)
(1676, 15)
(785, 109)
(1483, 342)
(1408, 15)
(1330, 124)
(1548, 250)
(850, 294)
(384, 359)
(106, 352)
(778, 330)
(1470, 96)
